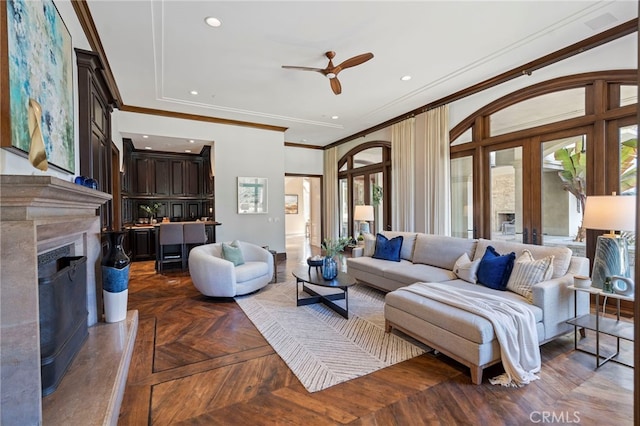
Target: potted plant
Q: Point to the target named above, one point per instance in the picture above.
(331, 249)
(151, 210)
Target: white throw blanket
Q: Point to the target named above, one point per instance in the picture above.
(513, 324)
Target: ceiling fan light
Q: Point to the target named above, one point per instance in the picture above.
(330, 75)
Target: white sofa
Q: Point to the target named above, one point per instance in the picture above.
(463, 336)
(215, 276)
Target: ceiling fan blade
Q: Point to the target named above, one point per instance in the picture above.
(335, 86)
(290, 67)
(356, 60)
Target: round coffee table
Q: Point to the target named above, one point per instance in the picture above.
(313, 276)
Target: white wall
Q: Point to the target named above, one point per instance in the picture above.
(303, 160)
(14, 164)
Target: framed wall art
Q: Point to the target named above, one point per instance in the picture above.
(291, 204)
(252, 195)
(39, 65)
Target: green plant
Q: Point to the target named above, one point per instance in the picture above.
(377, 194)
(573, 177)
(333, 247)
(152, 209)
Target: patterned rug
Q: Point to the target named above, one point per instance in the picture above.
(321, 347)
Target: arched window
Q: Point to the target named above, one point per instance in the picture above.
(364, 175)
(522, 165)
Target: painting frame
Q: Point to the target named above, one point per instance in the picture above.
(291, 203)
(48, 79)
(253, 195)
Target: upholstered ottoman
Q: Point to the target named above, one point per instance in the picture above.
(461, 335)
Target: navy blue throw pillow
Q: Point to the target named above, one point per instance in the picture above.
(494, 270)
(388, 249)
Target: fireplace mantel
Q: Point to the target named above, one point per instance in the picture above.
(38, 214)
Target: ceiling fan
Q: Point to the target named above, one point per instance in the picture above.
(331, 71)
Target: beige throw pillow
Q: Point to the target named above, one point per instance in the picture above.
(369, 245)
(465, 269)
(527, 272)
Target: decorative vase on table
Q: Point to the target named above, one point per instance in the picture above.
(329, 268)
(115, 278)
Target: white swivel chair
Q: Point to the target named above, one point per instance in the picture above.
(215, 276)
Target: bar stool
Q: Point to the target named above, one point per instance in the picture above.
(171, 234)
(194, 235)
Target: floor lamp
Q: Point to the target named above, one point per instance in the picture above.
(363, 214)
(613, 213)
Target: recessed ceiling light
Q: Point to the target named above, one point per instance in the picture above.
(194, 92)
(145, 136)
(212, 22)
(147, 147)
(334, 117)
(187, 150)
(191, 141)
(405, 78)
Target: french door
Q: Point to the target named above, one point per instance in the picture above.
(536, 188)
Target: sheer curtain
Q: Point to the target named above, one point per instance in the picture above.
(437, 171)
(331, 207)
(403, 175)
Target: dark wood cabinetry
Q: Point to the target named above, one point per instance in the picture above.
(181, 184)
(143, 243)
(95, 104)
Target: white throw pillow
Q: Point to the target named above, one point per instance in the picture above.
(369, 245)
(465, 269)
(527, 272)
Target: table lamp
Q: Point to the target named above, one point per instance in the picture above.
(613, 213)
(363, 214)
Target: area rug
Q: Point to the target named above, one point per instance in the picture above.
(321, 347)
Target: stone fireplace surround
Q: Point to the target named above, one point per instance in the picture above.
(39, 214)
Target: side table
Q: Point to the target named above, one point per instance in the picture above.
(275, 263)
(601, 324)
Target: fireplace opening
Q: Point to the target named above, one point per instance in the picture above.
(62, 291)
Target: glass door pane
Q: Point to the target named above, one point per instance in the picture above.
(564, 191)
(343, 190)
(462, 197)
(377, 201)
(506, 194)
(358, 199)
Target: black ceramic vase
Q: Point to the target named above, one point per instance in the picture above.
(115, 278)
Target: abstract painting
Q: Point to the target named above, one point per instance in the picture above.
(41, 68)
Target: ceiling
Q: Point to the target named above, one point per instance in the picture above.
(161, 51)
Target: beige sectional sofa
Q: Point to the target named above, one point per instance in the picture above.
(463, 336)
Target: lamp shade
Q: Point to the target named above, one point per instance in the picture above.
(610, 212)
(363, 213)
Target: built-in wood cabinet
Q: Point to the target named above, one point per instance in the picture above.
(143, 243)
(181, 183)
(95, 104)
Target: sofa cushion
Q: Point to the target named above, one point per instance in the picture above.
(527, 272)
(561, 255)
(375, 266)
(407, 273)
(232, 253)
(465, 269)
(441, 251)
(408, 242)
(494, 269)
(251, 270)
(388, 249)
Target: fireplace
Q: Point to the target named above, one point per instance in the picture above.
(63, 312)
(39, 214)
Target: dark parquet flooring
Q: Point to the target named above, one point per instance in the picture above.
(200, 361)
